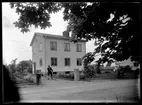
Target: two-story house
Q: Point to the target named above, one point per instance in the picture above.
(57, 51)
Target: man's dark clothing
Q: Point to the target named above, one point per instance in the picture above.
(38, 78)
(50, 72)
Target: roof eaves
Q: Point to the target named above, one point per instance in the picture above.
(57, 37)
(61, 37)
(53, 37)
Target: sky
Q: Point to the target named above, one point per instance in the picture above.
(17, 45)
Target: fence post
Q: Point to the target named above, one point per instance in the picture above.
(76, 75)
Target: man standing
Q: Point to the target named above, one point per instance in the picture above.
(50, 72)
(38, 76)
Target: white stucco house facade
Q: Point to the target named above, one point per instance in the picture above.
(57, 51)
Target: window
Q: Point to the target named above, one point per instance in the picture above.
(40, 47)
(53, 46)
(67, 47)
(40, 62)
(53, 61)
(78, 47)
(67, 61)
(79, 61)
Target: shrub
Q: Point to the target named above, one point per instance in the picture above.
(18, 75)
(82, 76)
(12, 76)
(21, 81)
(30, 78)
(29, 70)
(89, 71)
(25, 72)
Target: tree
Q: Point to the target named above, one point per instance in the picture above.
(12, 66)
(116, 38)
(87, 58)
(12, 69)
(89, 71)
(34, 13)
(24, 65)
(30, 66)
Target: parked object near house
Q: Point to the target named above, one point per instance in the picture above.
(38, 76)
(58, 51)
(76, 75)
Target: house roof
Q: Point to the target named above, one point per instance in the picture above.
(52, 36)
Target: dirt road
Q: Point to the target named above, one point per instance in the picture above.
(81, 91)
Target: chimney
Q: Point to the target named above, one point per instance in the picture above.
(66, 34)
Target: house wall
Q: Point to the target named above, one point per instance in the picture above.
(61, 54)
(37, 54)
